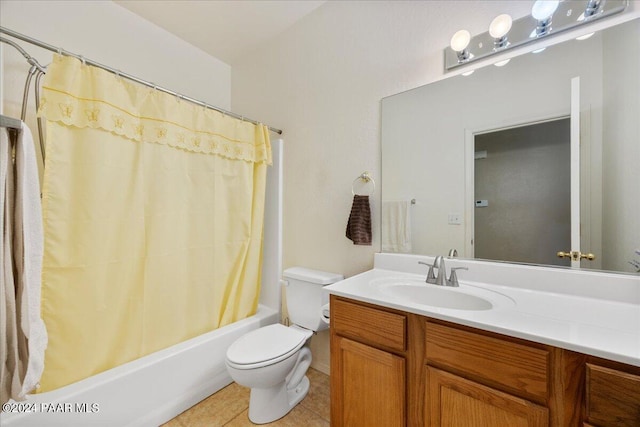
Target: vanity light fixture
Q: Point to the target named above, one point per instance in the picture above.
(498, 29)
(505, 33)
(592, 8)
(542, 11)
(459, 43)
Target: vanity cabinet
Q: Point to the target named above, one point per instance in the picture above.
(612, 395)
(374, 363)
(369, 369)
(479, 380)
(456, 401)
(374, 392)
(392, 368)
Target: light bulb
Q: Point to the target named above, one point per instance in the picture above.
(500, 26)
(544, 9)
(460, 40)
(502, 63)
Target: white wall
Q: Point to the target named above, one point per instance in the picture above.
(111, 35)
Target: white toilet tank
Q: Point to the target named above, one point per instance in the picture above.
(305, 296)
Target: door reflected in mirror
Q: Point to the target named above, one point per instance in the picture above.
(523, 194)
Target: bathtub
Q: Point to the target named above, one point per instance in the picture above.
(145, 392)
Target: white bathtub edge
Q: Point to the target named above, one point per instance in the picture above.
(163, 414)
(150, 390)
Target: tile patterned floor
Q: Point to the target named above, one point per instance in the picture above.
(230, 407)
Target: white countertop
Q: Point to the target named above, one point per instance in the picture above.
(607, 328)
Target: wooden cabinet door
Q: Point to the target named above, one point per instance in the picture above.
(612, 397)
(453, 401)
(368, 386)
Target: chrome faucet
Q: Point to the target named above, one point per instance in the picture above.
(441, 278)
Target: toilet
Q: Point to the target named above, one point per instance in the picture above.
(274, 359)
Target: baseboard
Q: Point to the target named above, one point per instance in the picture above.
(322, 367)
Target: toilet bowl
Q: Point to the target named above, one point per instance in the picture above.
(274, 359)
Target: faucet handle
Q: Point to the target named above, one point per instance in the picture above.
(431, 277)
(453, 278)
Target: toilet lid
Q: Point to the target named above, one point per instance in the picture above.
(264, 344)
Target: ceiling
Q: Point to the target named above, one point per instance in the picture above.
(226, 29)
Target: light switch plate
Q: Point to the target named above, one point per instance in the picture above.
(455, 219)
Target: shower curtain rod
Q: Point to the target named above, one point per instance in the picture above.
(61, 51)
(10, 122)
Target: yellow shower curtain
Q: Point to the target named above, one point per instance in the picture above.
(153, 220)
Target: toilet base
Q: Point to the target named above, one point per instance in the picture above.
(266, 406)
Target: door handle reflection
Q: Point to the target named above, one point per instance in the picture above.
(576, 255)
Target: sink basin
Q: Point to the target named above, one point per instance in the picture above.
(443, 297)
(416, 291)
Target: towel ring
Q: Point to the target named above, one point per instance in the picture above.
(366, 178)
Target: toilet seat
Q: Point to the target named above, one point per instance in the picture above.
(265, 346)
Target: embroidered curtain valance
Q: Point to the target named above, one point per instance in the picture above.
(84, 96)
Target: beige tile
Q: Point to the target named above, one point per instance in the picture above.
(229, 408)
(317, 401)
(218, 409)
(299, 416)
(172, 423)
(242, 420)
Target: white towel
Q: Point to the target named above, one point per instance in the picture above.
(10, 385)
(25, 335)
(396, 226)
(29, 220)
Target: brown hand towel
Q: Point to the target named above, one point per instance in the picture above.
(359, 224)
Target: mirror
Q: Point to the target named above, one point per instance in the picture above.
(437, 138)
